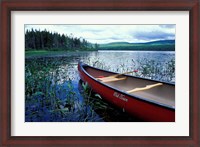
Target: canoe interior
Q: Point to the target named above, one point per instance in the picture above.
(164, 94)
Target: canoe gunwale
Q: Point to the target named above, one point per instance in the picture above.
(133, 96)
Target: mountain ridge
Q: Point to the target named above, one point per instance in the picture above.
(165, 45)
(150, 42)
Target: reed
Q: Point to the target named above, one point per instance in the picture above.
(162, 71)
(50, 94)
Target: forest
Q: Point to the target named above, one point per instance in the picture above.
(45, 40)
(160, 45)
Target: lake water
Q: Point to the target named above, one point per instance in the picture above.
(65, 79)
(150, 64)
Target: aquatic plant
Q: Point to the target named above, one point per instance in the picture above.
(162, 71)
(50, 94)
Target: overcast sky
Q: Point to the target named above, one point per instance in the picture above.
(112, 33)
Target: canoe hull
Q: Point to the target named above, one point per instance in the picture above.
(136, 107)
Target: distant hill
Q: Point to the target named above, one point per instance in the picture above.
(161, 42)
(161, 45)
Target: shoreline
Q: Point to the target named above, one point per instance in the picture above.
(44, 53)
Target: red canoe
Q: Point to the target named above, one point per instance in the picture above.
(146, 99)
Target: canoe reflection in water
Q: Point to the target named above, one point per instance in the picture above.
(148, 100)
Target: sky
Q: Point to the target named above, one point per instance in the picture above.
(112, 33)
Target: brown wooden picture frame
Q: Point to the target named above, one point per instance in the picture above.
(7, 6)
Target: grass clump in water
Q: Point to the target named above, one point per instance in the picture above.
(150, 69)
(50, 95)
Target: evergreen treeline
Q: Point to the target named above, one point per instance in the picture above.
(44, 40)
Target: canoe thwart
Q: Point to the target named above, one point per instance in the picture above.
(116, 75)
(145, 88)
(110, 79)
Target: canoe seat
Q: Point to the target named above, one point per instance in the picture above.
(110, 79)
(144, 88)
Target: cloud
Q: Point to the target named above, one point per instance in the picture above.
(167, 26)
(112, 33)
(154, 35)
